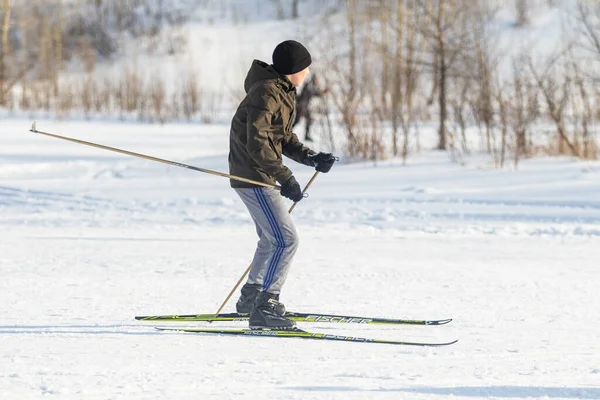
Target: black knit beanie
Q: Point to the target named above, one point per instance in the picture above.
(290, 57)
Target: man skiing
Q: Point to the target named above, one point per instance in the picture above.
(309, 90)
(261, 133)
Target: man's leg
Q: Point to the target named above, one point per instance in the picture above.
(308, 119)
(278, 240)
(282, 236)
(261, 255)
(270, 213)
(299, 114)
(255, 278)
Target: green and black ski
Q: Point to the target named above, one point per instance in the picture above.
(295, 316)
(300, 334)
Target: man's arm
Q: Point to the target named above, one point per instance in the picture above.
(262, 106)
(298, 152)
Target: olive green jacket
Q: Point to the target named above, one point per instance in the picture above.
(261, 129)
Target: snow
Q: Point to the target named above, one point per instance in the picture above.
(91, 238)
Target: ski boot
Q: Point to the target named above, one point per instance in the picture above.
(266, 313)
(246, 301)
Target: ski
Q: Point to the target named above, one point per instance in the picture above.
(301, 334)
(295, 316)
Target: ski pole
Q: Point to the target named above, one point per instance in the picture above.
(176, 164)
(250, 266)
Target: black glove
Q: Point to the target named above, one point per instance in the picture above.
(291, 190)
(323, 161)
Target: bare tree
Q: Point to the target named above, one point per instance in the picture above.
(279, 7)
(398, 78)
(406, 65)
(503, 114)
(158, 94)
(415, 46)
(556, 96)
(57, 37)
(190, 95)
(524, 108)
(6, 8)
(446, 44)
(583, 105)
(88, 93)
(439, 44)
(484, 71)
(522, 13)
(589, 15)
(384, 18)
(346, 89)
(459, 104)
(295, 4)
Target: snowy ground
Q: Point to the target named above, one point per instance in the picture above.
(90, 239)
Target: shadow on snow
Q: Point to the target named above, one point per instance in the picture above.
(522, 392)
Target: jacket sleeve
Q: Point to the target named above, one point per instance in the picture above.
(261, 108)
(298, 152)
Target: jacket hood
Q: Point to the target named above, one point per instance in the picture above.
(261, 71)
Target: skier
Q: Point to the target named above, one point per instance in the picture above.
(310, 90)
(261, 132)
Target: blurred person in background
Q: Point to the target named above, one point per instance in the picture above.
(311, 89)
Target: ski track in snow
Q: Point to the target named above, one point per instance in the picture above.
(409, 214)
(90, 239)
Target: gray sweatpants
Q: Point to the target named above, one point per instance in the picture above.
(278, 238)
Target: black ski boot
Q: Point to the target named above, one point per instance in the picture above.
(246, 301)
(266, 313)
